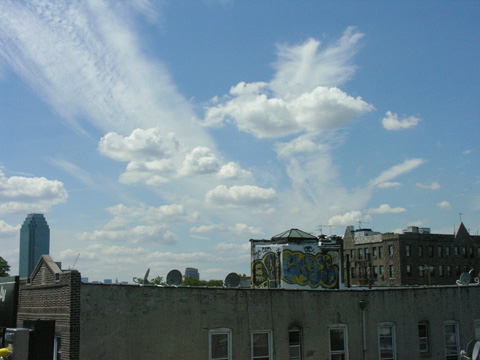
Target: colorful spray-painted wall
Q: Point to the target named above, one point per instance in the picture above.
(295, 267)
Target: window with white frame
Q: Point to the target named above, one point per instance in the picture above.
(295, 343)
(450, 335)
(261, 345)
(338, 340)
(220, 344)
(423, 345)
(386, 341)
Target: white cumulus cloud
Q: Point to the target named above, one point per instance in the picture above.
(386, 209)
(391, 122)
(444, 205)
(238, 196)
(233, 171)
(28, 194)
(302, 97)
(348, 218)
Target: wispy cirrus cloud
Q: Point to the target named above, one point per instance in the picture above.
(84, 60)
(397, 170)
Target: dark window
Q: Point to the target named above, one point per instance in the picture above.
(295, 343)
(374, 252)
(380, 252)
(420, 251)
(390, 250)
(449, 271)
(409, 271)
(392, 271)
(430, 251)
(456, 250)
(440, 251)
(447, 251)
(353, 272)
(464, 251)
(407, 250)
(440, 270)
(423, 337)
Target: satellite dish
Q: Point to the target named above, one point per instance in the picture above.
(232, 280)
(174, 277)
(464, 279)
(476, 350)
(145, 278)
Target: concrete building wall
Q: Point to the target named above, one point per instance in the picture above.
(127, 321)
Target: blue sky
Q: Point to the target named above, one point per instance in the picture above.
(166, 135)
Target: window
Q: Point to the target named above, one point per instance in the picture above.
(440, 251)
(353, 272)
(430, 251)
(360, 254)
(374, 252)
(423, 337)
(464, 251)
(449, 270)
(477, 329)
(447, 251)
(450, 334)
(220, 344)
(386, 341)
(409, 271)
(420, 251)
(262, 345)
(440, 270)
(366, 253)
(382, 271)
(392, 271)
(407, 250)
(421, 271)
(57, 348)
(456, 250)
(295, 343)
(338, 342)
(375, 272)
(352, 254)
(390, 250)
(470, 251)
(380, 252)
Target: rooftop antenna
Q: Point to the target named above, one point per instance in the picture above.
(75, 262)
(321, 227)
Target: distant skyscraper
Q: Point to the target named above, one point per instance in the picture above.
(192, 272)
(34, 242)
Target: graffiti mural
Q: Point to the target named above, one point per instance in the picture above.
(309, 269)
(266, 271)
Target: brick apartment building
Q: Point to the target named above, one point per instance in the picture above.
(416, 257)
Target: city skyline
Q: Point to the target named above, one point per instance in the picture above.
(166, 135)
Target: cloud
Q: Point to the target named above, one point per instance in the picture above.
(239, 196)
(165, 214)
(444, 205)
(388, 184)
(74, 170)
(20, 194)
(8, 231)
(85, 61)
(157, 234)
(348, 218)
(302, 97)
(432, 186)
(391, 122)
(200, 161)
(238, 229)
(397, 170)
(233, 171)
(154, 158)
(386, 209)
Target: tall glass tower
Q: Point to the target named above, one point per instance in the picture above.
(34, 242)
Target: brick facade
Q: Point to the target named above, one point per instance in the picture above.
(51, 293)
(404, 257)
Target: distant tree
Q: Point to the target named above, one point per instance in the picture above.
(4, 267)
(191, 281)
(215, 283)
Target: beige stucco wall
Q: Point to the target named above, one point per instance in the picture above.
(132, 322)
